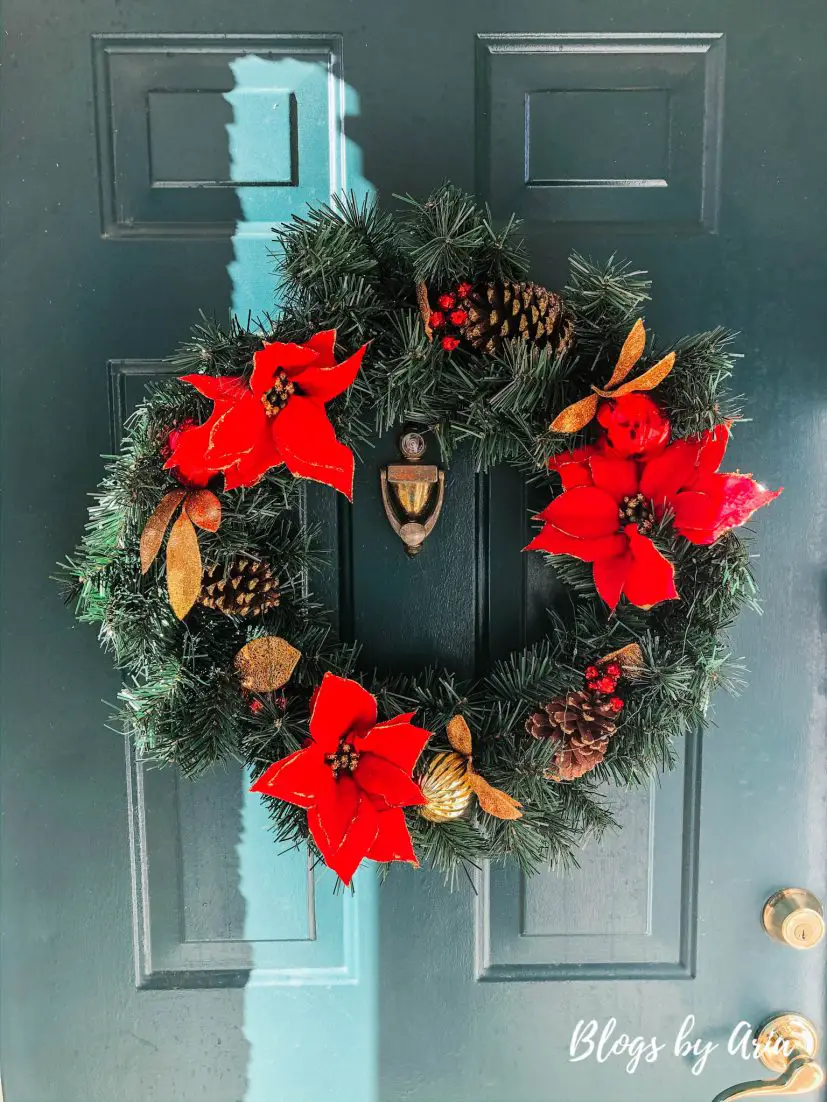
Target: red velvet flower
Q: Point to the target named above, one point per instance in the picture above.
(608, 505)
(437, 319)
(464, 290)
(279, 417)
(354, 778)
(459, 317)
(446, 301)
(634, 425)
(450, 343)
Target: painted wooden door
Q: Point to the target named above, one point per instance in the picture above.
(155, 945)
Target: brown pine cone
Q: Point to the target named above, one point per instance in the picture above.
(577, 759)
(583, 722)
(241, 588)
(503, 311)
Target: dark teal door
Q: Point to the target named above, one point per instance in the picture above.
(155, 945)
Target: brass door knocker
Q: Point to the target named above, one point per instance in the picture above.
(418, 493)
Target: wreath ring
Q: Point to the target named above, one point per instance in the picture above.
(424, 318)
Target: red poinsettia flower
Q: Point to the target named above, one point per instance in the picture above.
(354, 778)
(279, 417)
(609, 504)
(634, 425)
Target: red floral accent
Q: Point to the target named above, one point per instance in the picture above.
(609, 503)
(256, 706)
(616, 704)
(188, 443)
(614, 670)
(606, 685)
(459, 317)
(446, 301)
(464, 290)
(437, 319)
(354, 778)
(634, 424)
(592, 673)
(279, 417)
(450, 343)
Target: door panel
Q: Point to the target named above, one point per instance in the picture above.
(155, 943)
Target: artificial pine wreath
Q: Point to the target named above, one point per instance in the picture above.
(424, 318)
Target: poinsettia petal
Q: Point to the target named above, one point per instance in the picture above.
(302, 778)
(393, 841)
(385, 783)
(307, 442)
(573, 467)
(344, 828)
(670, 472)
(277, 356)
(324, 343)
(253, 465)
(324, 383)
(697, 515)
(718, 503)
(651, 577)
(584, 512)
(238, 431)
(617, 477)
(398, 740)
(556, 542)
(226, 388)
(610, 576)
(713, 445)
(340, 706)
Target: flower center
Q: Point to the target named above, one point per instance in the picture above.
(637, 510)
(344, 760)
(279, 394)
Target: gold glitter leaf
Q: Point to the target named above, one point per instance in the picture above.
(629, 658)
(459, 736)
(204, 509)
(153, 534)
(493, 800)
(183, 566)
(266, 664)
(647, 381)
(424, 309)
(576, 416)
(630, 353)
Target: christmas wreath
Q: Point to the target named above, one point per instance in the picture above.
(424, 317)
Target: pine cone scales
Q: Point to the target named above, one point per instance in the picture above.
(499, 312)
(577, 760)
(583, 722)
(243, 587)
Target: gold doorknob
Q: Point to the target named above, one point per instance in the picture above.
(787, 1044)
(794, 917)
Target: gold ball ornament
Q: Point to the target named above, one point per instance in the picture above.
(445, 786)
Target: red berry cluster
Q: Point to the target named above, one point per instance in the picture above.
(604, 681)
(257, 704)
(451, 315)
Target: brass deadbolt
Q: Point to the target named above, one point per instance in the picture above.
(794, 917)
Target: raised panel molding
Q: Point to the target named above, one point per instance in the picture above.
(198, 921)
(601, 128)
(166, 107)
(640, 924)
